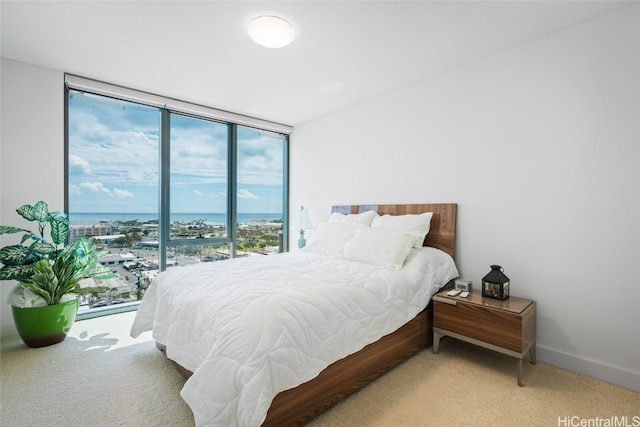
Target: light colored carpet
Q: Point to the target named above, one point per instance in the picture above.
(99, 376)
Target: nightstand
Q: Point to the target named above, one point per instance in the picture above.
(508, 326)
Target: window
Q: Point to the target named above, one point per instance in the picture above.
(260, 176)
(157, 186)
(198, 183)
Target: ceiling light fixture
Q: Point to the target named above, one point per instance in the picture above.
(271, 31)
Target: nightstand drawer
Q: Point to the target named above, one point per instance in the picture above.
(504, 329)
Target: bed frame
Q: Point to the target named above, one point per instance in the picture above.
(296, 406)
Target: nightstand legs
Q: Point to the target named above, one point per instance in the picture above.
(436, 341)
(437, 335)
(519, 371)
(532, 355)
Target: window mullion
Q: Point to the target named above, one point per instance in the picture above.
(232, 199)
(285, 194)
(164, 196)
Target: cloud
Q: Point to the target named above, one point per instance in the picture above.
(197, 192)
(246, 194)
(112, 146)
(78, 165)
(97, 187)
(260, 160)
(122, 193)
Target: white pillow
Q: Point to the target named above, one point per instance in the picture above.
(379, 246)
(416, 225)
(330, 238)
(364, 218)
(432, 263)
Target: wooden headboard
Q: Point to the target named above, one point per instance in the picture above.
(442, 233)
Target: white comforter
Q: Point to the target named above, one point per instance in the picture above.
(249, 328)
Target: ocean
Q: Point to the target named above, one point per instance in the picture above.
(93, 218)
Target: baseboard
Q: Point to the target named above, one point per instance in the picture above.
(611, 374)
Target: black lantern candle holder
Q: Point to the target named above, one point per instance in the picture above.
(495, 284)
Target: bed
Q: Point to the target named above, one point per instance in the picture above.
(292, 359)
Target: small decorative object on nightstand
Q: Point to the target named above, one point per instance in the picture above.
(463, 285)
(304, 223)
(495, 284)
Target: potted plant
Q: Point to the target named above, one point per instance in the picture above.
(44, 304)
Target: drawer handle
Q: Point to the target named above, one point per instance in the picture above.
(447, 301)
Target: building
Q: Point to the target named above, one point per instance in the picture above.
(88, 231)
(118, 259)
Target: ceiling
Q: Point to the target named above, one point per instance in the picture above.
(345, 51)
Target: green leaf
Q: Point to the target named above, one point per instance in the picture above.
(67, 278)
(44, 282)
(14, 255)
(41, 211)
(26, 212)
(41, 248)
(85, 248)
(59, 228)
(17, 272)
(102, 273)
(38, 291)
(10, 229)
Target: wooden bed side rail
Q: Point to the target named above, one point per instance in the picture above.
(296, 406)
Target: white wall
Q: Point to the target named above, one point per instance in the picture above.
(539, 146)
(31, 150)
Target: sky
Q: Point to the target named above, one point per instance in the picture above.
(114, 161)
